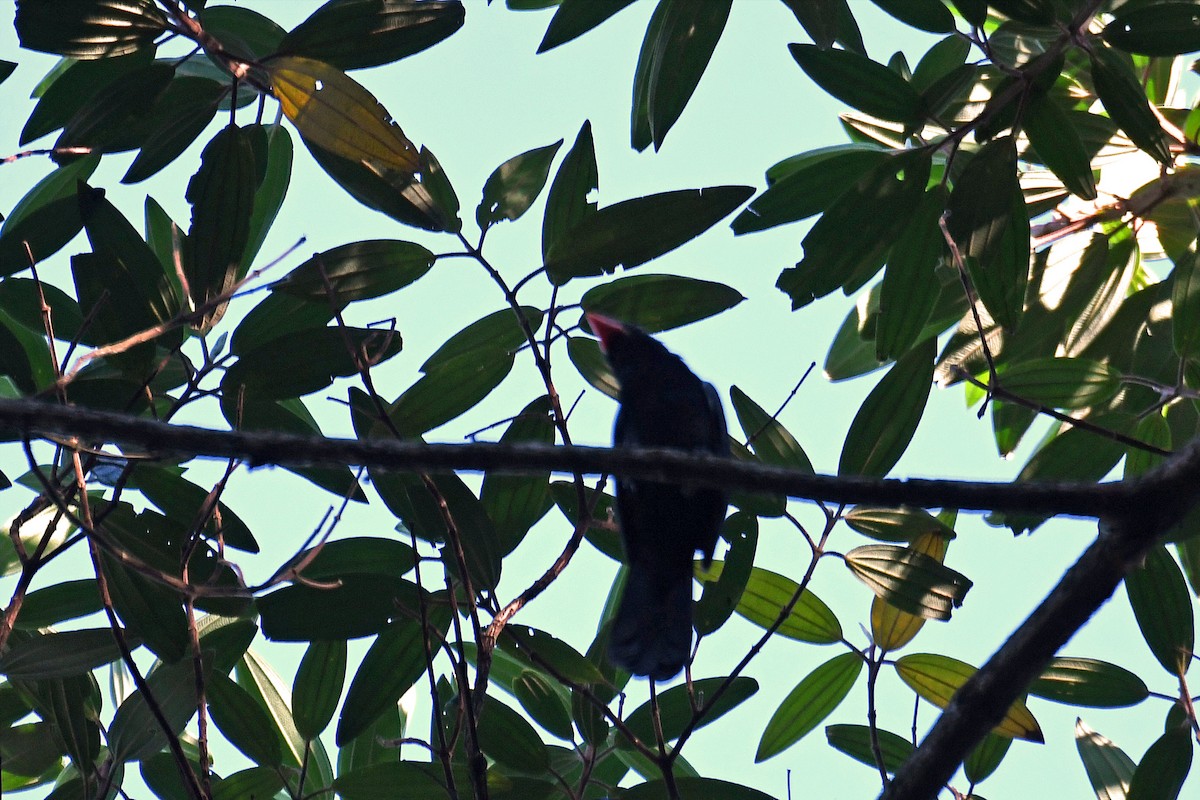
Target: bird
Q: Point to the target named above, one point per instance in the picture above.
(662, 404)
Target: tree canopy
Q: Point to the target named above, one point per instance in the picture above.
(1014, 208)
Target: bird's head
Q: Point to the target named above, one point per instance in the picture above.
(634, 355)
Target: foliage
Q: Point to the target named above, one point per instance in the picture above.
(1028, 190)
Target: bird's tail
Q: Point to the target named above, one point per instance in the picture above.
(652, 631)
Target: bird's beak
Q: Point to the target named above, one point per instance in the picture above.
(606, 328)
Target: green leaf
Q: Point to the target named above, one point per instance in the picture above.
(221, 194)
(1062, 382)
(903, 524)
(1185, 304)
(335, 113)
(722, 595)
(179, 117)
(678, 45)
(1162, 29)
(306, 361)
(249, 783)
(1163, 608)
(455, 387)
(504, 735)
(500, 330)
(909, 580)
(632, 232)
(46, 218)
(536, 647)
(807, 184)
(575, 18)
(357, 271)
(887, 419)
(181, 499)
(513, 186)
(855, 741)
(88, 29)
(118, 117)
(602, 534)
(392, 664)
(936, 678)
(660, 302)
(568, 203)
(1163, 769)
(940, 61)
(154, 612)
(860, 82)
(57, 603)
(927, 15)
(985, 757)
(589, 359)
(1125, 101)
(1089, 682)
(765, 596)
(355, 34)
(135, 733)
(676, 709)
(772, 443)
(1108, 768)
(813, 699)
(1058, 144)
(694, 788)
(421, 780)
(244, 722)
(29, 750)
(542, 700)
(515, 503)
(268, 199)
(70, 85)
(344, 606)
(910, 290)
(61, 654)
(1031, 12)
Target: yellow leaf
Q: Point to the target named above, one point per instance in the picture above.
(892, 628)
(936, 678)
(332, 111)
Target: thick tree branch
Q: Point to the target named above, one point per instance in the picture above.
(34, 418)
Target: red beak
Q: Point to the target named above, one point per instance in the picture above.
(606, 328)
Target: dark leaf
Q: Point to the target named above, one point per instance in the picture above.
(135, 733)
(392, 664)
(1058, 145)
(908, 579)
(575, 18)
(813, 699)
(855, 741)
(1185, 305)
(1125, 101)
(828, 22)
(1163, 769)
(87, 29)
(985, 757)
(506, 737)
(58, 603)
(344, 607)
(569, 201)
(272, 187)
(118, 117)
(536, 648)
(62, 654)
(29, 750)
(855, 79)
(181, 499)
(588, 358)
(180, 115)
(632, 232)
(355, 34)
(660, 302)
(678, 45)
(72, 706)
(515, 503)
(722, 596)
(928, 15)
(244, 722)
(454, 388)
(694, 788)
(252, 782)
(46, 218)
(357, 271)
(513, 186)
(910, 290)
(676, 710)
(500, 330)
(1088, 682)
(1062, 382)
(771, 442)
(1163, 608)
(1162, 29)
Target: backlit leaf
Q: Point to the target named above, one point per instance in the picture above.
(1089, 682)
(355, 34)
(660, 302)
(908, 579)
(511, 189)
(357, 271)
(935, 678)
(861, 82)
(813, 699)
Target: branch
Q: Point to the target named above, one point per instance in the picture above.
(260, 448)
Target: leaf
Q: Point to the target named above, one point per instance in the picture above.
(356, 34)
(660, 302)
(927, 15)
(1163, 769)
(810, 184)
(88, 29)
(765, 596)
(57, 603)
(1108, 769)
(676, 709)
(904, 524)
(1058, 145)
(568, 202)
(1185, 304)
(855, 741)
(244, 722)
(632, 232)
(536, 647)
(179, 117)
(500, 330)
(346, 606)
(1125, 101)
(1062, 382)
(985, 757)
(935, 678)
(1089, 682)
(575, 18)
(589, 360)
(61, 654)
(722, 595)
(1163, 608)
(887, 419)
(46, 218)
(154, 612)
(1163, 29)
(357, 271)
(513, 186)
(910, 290)
(678, 45)
(333, 112)
(515, 503)
(272, 189)
(860, 82)
(249, 783)
(772, 443)
(6, 69)
(908, 579)
(450, 390)
(29, 750)
(504, 735)
(135, 732)
(813, 699)
(392, 664)
(892, 628)
(118, 117)
(693, 788)
(181, 499)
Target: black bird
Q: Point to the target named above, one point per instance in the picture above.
(663, 404)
